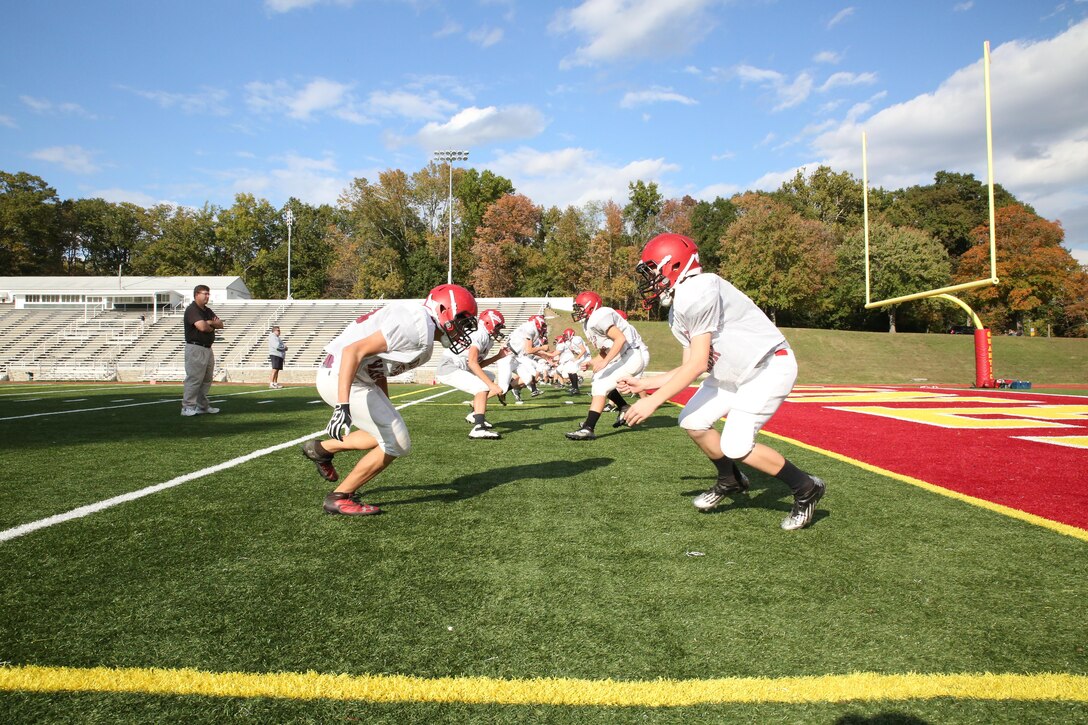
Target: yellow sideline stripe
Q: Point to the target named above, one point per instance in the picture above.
(548, 691)
(1060, 528)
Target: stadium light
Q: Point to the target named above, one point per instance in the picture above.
(449, 156)
(289, 217)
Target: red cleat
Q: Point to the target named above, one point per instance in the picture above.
(348, 504)
(323, 463)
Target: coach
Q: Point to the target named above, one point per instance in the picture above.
(201, 322)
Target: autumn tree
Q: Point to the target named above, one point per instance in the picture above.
(642, 211)
(505, 245)
(1039, 279)
(775, 256)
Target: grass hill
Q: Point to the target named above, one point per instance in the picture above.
(838, 357)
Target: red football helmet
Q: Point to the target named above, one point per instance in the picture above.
(622, 314)
(568, 334)
(453, 309)
(540, 324)
(667, 260)
(493, 322)
(585, 304)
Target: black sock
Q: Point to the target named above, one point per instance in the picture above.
(573, 380)
(798, 481)
(616, 398)
(727, 469)
(479, 418)
(591, 419)
(320, 450)
(532, 385)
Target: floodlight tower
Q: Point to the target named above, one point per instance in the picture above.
(289, 217)
(449, 156)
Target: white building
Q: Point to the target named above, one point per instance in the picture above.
(108, 293)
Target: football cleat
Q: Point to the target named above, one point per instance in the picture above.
(471, 419)
(620, 422)
(711, 497)
(324, 463)
(536, 393)
(582, 434)
(609, 407)
(517, 395)
(804, 506)
(481, 433)
(501, 397)
(348, 504)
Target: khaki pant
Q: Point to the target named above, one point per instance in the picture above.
(199, 366)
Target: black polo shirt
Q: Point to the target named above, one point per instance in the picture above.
(193, 335)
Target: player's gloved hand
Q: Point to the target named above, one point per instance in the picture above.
(340, 423)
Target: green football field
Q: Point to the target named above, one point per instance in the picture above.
(165, 569)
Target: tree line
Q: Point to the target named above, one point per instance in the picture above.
(796, 251)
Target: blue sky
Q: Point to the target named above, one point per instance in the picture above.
(195, 101)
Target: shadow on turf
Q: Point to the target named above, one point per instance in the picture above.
(477, 483)
(768, 497)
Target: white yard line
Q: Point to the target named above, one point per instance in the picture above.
(66, 391)
(130, 405)
(24, 529)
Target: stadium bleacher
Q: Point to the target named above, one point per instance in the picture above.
(70, 344)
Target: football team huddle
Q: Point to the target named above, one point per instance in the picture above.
(749, 368)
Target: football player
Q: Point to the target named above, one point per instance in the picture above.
(750, 371)
(354, 380)
(529, 338)
(465, 371)
(622, 354)
(573, 355)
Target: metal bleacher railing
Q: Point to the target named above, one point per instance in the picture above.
(67, 344)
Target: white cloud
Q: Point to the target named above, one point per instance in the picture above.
(409, 105)
(313, 180)
(655, 95)
(486, 37)
(788, 94)
(75, 159)
(206, 100)
(710, 193)
(319, 96)
(839, 17)
(474, 127)
(45, 106)
(724, 156)
(848, 79)
(640, 29)
(117, 195)
(8, 121)
(827, 56)
(449, 28)
(962, 7)
(1040, 120)
(286, 6)
(575, 176)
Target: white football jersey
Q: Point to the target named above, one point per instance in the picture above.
(480, 339)
(521, 339)
(409, 334)
(740, 333)
(604, 319)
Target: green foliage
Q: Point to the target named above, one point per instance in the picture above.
(31, 240)
(775, 256)
(902, 261)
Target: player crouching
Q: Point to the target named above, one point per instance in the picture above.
(750, 370)
(464, 370)
(354, 377)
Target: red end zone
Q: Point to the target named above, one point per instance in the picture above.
(1024, 451)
